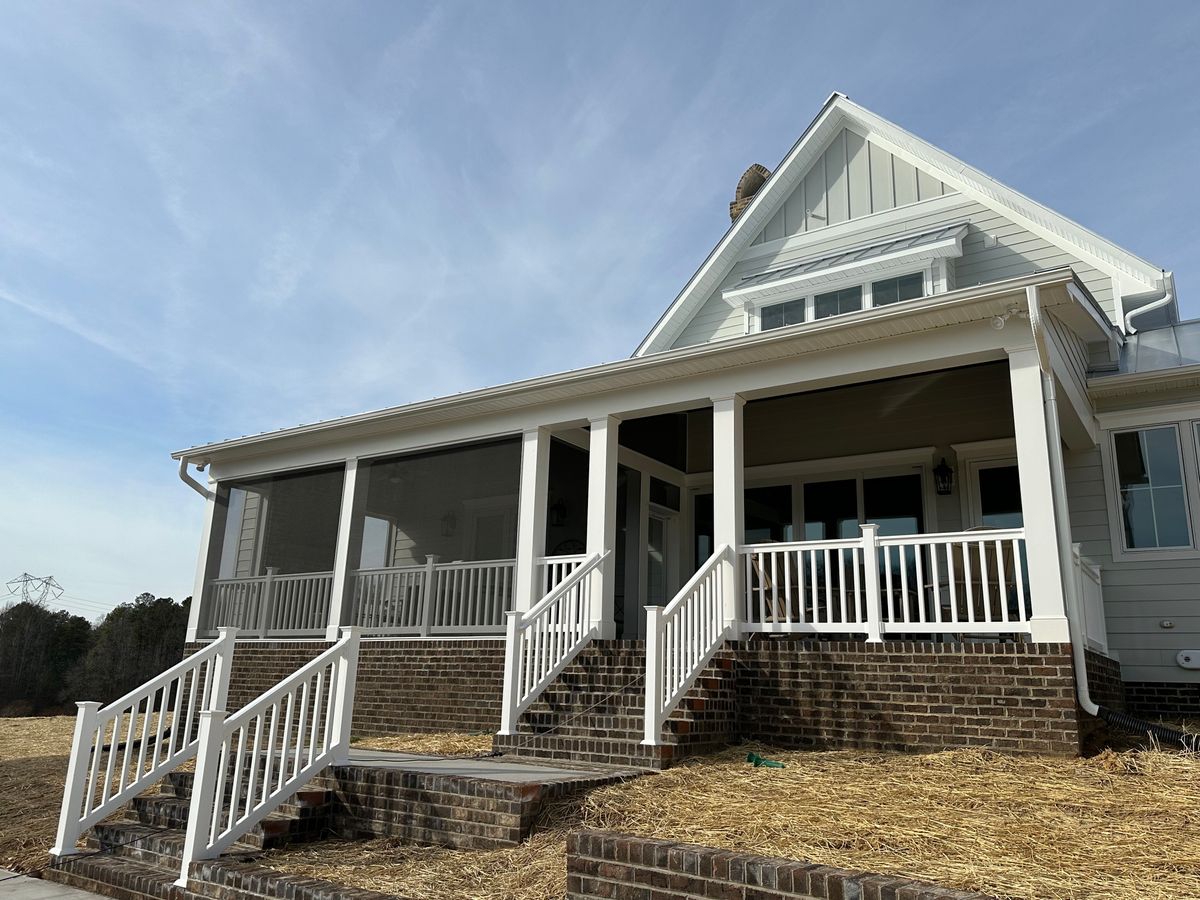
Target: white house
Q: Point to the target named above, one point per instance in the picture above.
(897, 401)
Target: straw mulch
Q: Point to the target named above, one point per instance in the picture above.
(33, 765)
(1118, 826)
(445, 743)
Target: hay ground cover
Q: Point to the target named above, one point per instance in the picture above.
(1120, 825)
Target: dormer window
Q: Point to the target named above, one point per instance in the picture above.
(896, 290)
(837, 303)
(777, 315)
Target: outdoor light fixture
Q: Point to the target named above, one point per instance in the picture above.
(558, 513)
(449, 524)
(943, 478)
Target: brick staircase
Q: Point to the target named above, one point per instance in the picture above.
(593, 712)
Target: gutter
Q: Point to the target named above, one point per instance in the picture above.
(190, 481)
(1168, 279)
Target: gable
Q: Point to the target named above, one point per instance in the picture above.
(854, 177)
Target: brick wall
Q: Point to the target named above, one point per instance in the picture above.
(1168, 699)
(412, 685)
(1104, 680)
(611, 865)
(907, 696)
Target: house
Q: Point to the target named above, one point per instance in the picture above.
(910, 462)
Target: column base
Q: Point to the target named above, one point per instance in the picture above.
(1049, 630)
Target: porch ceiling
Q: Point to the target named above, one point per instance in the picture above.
(662, 379)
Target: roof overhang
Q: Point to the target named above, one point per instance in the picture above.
(974, 304)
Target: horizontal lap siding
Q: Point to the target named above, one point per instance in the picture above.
(1016, 252)
(1137, 595)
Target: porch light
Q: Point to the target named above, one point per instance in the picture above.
(943, 478)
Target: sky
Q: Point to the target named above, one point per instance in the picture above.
(220, 219)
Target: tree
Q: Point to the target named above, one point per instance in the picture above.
(38, 647)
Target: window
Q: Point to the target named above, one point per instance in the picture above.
(1153, 503)
(895, 290)
(837, 303)
(777, 315)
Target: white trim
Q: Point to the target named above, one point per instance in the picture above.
(1158, 415)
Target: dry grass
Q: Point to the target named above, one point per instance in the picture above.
(1117, 826)
(33, 764)
(445, 743)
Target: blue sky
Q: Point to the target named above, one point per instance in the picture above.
(221, 219)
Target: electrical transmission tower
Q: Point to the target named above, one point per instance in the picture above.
(35, 590)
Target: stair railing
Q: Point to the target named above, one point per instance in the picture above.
(542, 641)
(681, 638)
(254, 761)
(121, 749)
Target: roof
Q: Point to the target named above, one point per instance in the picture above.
(1132, 273)
(1159, 349)
(857, 255)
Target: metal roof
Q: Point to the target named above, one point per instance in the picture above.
(1169, 347)
(906, 243)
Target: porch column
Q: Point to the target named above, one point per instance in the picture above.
(1048, 623)
(349, 546)
(209, 560)
(531, 516)
(602, 520)
(728, 494)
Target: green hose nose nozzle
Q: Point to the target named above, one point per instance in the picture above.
(763, 762)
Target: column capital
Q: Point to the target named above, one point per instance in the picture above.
(728, 400)
(607, 420)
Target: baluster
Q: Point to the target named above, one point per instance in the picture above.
(936, 578)
(902, 553)
(970, 591)
(1001, 582)
(887, 583)
(952, 573)
(918, 557)
(1019, 571)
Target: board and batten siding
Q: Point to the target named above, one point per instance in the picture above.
(1014, 251)
(1137, 595)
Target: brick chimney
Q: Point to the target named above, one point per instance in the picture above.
(752, 179)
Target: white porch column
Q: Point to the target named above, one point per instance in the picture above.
(729, 493)
(209, 560)
(1048, 623)
(349, 544)
(602, 519)
(531, 516)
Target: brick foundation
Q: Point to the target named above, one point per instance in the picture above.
(907, 696)
(415, 685)
(1104, 680)
(1165, 699)
(610, 865)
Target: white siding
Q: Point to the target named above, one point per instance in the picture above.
(1137, 595)
(1015, 252)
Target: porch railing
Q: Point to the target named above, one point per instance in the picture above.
(271, 604)
(964, 582)
(122, 749)
(681, 638)
(436, 598)
(553, 569)
(542, 642)
(1089, 589)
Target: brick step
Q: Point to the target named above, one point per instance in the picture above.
(119, 877)
(179, 785)
(627, 753)
(149, 844)
(275, 829)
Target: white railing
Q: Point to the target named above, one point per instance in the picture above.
(553, 569)
(270, 604)
(254, 761)
(682, 637)
(446, 598)
(1090, 591)
(970, 582)
(542, 642)
(122, 749)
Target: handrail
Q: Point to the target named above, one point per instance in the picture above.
(541, 642)
(243, 773)
(681, 638)
(180, 693)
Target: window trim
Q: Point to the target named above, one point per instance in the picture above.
(1189, 466)
(934, 279)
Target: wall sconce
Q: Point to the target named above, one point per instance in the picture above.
(449, 524)
(943, 478)
(558, 513)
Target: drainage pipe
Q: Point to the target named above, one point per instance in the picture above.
(1162, 301)
(1115, 718)
(190, 481)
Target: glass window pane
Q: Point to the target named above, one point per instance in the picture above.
(768, 514)
(1138, 512)
(1131, 461)
(1150, 478)
(837, 303)
(894, 503)
(777, 315)
(1162, 452)
(831, 510)
(895, 290)
(702, 511)
(663, 493)
(1170, 515)
(1000, 497)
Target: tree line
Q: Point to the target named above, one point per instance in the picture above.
(50, 658)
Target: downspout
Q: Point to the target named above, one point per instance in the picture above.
(190, 481)
(1168, 280)
(1115, 718)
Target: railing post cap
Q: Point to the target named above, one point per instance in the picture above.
(212, 713)
(227, 633)
(872, 526)
(89, 705)
(354, 631)
(432, 557)
(512, 613)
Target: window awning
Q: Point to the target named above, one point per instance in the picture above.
(909, 251)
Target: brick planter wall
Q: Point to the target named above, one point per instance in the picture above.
(1168, 699)
(907, 696)
(415, 685)
(611, 865)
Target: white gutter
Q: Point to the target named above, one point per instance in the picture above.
(189, 480)
(1167, 297)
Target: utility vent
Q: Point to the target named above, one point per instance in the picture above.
(752, 179)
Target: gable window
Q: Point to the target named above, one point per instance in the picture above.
(777, 315)
(837, 303)
(896, 290)
(1153, 502)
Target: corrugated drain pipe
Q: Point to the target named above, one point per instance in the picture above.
(1167, 737)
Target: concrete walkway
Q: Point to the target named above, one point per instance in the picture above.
(493, 768)
(25, 888)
